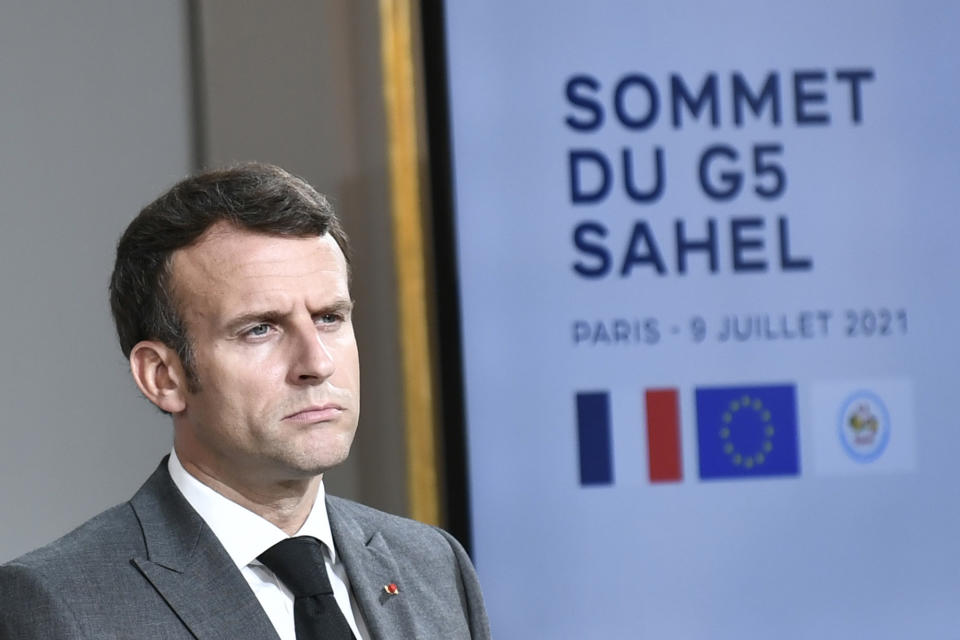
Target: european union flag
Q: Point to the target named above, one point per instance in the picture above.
(747, 431)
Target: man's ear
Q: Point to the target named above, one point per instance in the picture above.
(157, 370)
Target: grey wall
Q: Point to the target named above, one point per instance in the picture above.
(93, 124)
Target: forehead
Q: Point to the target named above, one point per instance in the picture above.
(229, 266)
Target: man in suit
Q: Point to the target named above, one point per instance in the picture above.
(231, 298)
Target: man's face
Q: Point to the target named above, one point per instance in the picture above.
(276, 360)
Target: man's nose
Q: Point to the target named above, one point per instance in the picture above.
(312, 361)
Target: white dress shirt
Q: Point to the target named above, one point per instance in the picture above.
(245, 535)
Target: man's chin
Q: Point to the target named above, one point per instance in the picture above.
(314, 465)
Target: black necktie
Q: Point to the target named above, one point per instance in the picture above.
(298, 562)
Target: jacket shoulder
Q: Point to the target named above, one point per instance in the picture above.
(115, 532)
(370, 517)
(91, 559)
(403, 534)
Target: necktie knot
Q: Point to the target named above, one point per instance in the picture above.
(300, 565)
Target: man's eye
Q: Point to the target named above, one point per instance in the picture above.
(259, 330)
(329, 318)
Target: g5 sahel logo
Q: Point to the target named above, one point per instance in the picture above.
(864, 427)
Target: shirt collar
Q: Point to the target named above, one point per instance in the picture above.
(244, 534)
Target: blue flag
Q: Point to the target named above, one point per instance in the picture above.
(747, 431)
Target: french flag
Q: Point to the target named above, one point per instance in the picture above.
(595, 439)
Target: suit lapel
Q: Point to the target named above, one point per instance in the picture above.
(190, 569)
(370, 567)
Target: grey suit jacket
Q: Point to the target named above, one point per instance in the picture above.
(151, 568)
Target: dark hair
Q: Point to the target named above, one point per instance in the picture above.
(259, 197)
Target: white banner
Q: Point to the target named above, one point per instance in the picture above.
(707, 261)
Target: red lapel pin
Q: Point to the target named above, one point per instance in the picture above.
(391, 588)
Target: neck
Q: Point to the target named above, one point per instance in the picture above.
(286, 504)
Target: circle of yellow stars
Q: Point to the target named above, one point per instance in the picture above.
(739, 458)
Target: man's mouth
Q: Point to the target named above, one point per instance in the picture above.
(315, 413)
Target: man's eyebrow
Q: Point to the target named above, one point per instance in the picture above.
(337, 306)
(253, 317)
(342, 305)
